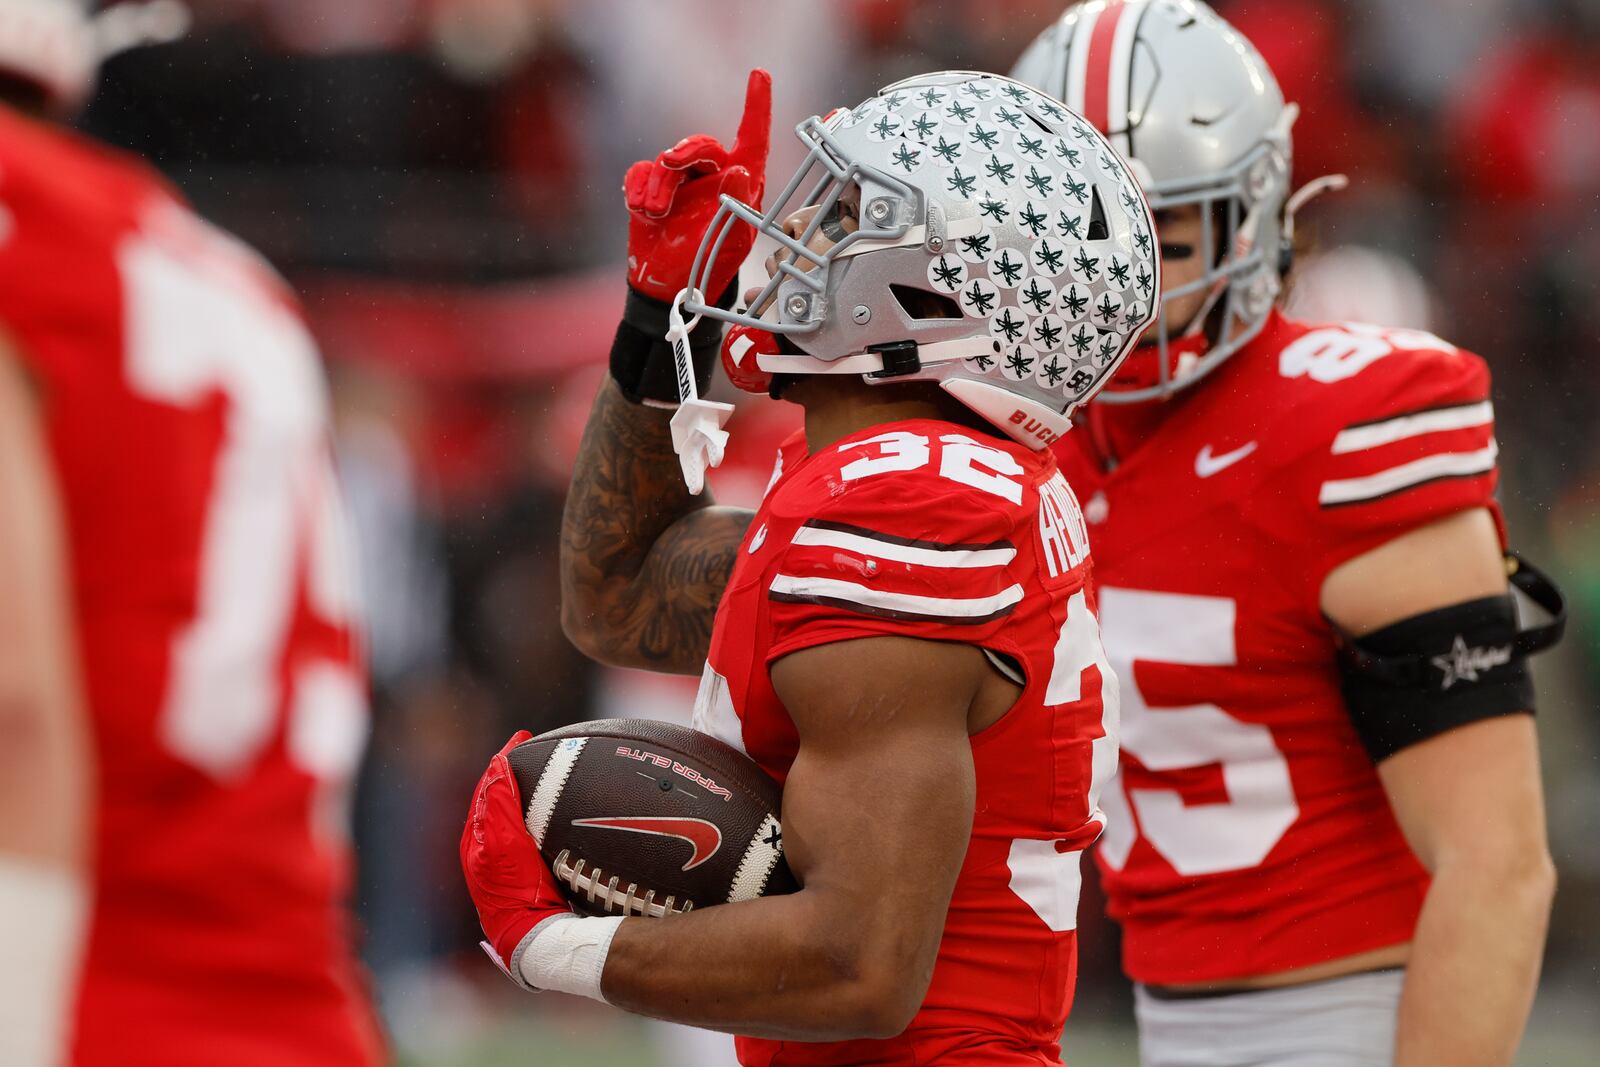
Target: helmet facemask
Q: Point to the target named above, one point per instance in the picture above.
(957, 270)
(1242, 211)
(1199, 114)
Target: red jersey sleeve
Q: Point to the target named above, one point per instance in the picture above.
(1407, 441)
(909, 554)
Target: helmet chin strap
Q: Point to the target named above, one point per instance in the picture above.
(1308, 192)
(1245, 238)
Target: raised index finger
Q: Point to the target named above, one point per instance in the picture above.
(755, 129)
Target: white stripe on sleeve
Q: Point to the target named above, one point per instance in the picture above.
(1426, 469)
(1376, 434)
(867, 545)
(880, 601)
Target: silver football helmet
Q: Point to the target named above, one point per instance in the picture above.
(58, 44)
(1196, 110)
(1003, 250)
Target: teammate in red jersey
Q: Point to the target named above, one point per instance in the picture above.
(903, 632)
(181, 694)
(1327, 842)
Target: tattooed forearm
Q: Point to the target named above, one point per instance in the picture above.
(643, 563)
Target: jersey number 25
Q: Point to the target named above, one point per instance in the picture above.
(1199, 838)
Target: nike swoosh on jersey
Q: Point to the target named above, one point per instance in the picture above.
(1205, 464)
(703, 835)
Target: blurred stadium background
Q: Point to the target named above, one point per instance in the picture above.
(440, 179)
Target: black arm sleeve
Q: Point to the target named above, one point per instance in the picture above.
(1433, 672)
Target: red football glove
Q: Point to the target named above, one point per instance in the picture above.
(672, 198)
(510, 883)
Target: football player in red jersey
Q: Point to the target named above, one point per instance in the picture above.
(180, 692)
(903, 634)
(1327, 842)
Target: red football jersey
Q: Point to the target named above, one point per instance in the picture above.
(1248, 832)
(187, 424)
(923, 529)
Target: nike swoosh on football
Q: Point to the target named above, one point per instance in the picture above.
(703, 835)
(1205, 464)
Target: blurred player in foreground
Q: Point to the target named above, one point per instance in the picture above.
(180, 695)
(1327, 842)
(903, 633)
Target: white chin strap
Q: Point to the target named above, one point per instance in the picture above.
(930, 354)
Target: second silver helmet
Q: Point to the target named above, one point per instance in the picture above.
(1195, 108)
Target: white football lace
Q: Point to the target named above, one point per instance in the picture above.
(598, 889)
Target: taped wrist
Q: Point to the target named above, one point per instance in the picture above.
(641, 357)
(565, 954)
(1433, 672)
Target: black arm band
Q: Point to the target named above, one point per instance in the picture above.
(1428, 674)
(641, 358)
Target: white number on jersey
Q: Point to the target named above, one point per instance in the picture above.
(961, 459)
(198, 324)
(1333, 354)
(1048, 880)
(1194, 838)
(982, 467)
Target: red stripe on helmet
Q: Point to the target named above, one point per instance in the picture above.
(1097, 70)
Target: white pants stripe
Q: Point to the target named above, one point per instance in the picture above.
(1342, 1022)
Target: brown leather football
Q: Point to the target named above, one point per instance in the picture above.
(638, 817)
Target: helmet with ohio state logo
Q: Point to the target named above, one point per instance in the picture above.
(1003, 250)
(1191, 103)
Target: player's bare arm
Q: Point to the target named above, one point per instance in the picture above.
(1474, 959)
(643, 563)
(44, 752)
(882, 789)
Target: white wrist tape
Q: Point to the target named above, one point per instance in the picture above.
(43, 918)
(565, 954)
